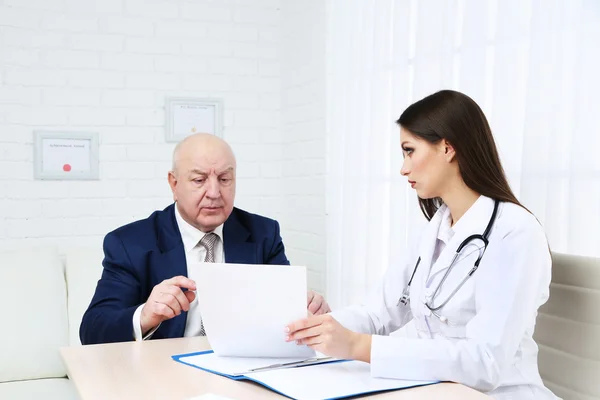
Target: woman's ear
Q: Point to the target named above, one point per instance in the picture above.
(449, 152)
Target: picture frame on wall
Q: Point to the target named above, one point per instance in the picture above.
(188, 115)
(64, 155)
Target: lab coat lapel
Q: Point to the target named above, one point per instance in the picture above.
(474, 221)
(426, 250)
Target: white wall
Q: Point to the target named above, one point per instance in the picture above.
(303, 54)
(106, 66)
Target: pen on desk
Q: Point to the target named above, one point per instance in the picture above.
(308, 361)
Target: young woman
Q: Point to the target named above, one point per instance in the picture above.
(473, 284)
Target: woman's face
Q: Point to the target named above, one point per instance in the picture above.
(425, 165)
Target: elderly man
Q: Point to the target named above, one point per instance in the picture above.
(147, 286)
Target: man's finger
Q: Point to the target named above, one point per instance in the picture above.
(164, 311)
(182, 282)
(322, 310)
(315, 304)
(190, 296)
(170, 300)
(180, 296)
(309, 296)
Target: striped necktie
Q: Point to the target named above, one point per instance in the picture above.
(208, 242)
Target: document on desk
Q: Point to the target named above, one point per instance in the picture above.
(329, 379)
(245, 308)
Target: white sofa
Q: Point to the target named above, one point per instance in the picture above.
(43, 296)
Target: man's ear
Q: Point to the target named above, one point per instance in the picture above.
(173, 184)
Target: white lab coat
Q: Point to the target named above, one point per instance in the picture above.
(487, 341)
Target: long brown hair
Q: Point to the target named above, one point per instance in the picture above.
(454, 116)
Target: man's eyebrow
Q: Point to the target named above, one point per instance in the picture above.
(197, 172)
(230, 169)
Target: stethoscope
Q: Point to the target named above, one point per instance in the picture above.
(405, 298)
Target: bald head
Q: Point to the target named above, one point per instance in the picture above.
(202, 145)
(203, 180)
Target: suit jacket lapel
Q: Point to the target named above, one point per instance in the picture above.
(168, 263)
(237, 242)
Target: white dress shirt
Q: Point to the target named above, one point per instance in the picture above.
(194, 253)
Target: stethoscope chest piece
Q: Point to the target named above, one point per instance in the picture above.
(405, 298)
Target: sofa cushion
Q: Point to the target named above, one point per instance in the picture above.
(47, 389)
(568, 328)
(83, 270)
(35, 326)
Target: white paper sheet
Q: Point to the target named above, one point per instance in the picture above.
(329, 381)
(245, 308)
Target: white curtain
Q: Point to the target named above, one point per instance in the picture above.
(534, 68)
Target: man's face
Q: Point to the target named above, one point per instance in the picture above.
(203, 185)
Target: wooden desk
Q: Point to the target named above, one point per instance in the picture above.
(145, 370)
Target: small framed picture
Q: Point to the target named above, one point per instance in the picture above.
(188, 115)
(63, 155)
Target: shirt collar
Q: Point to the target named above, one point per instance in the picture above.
(474, 220)
(190, 235)
(445, 231)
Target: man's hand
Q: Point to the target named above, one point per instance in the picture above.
(316, 304)
(166, 301)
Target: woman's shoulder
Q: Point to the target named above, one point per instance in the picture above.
(515, 219)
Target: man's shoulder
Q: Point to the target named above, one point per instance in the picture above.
(146, 228)
(254, 222)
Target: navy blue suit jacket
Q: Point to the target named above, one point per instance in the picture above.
(142, 254)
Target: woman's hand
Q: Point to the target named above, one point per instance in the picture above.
(325, 335)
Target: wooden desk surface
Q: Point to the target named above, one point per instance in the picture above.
(145, 370)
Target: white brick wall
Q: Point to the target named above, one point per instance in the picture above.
(106, 66)
(303, 74)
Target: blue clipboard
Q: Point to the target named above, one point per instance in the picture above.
(180, 358)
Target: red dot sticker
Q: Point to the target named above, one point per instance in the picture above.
(66, 167)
